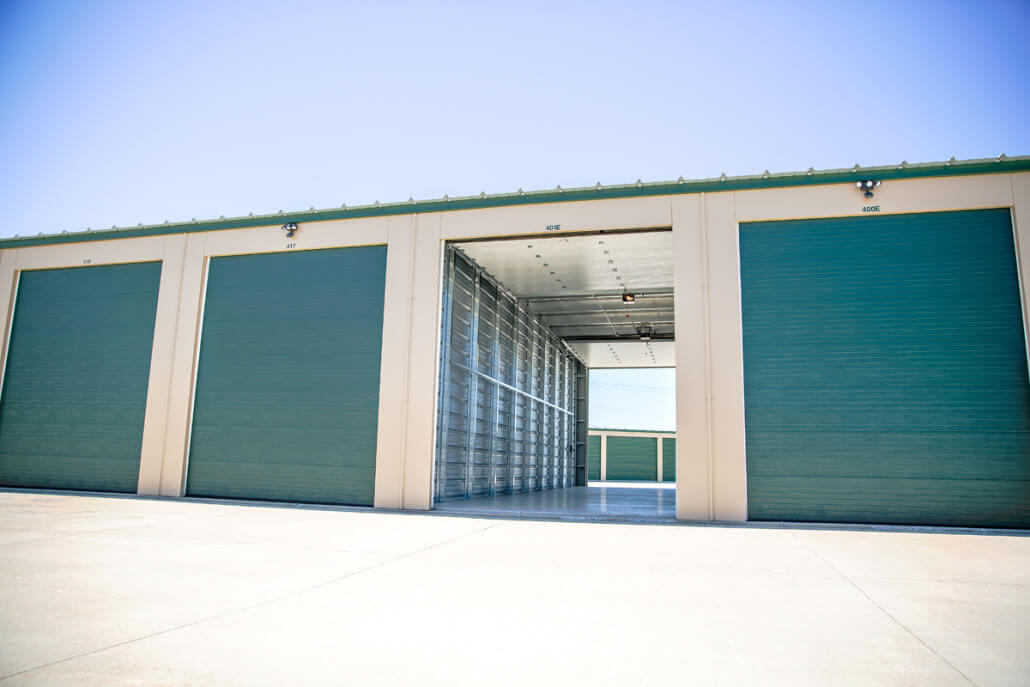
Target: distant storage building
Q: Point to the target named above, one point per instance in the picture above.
(631, 455)
(849, 345)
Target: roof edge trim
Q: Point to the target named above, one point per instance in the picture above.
(952, 167)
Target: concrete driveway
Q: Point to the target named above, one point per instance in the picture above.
(111, 591)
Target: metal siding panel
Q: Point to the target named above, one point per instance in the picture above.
(632, 458)
(287, 395)
(444, 398)
(885, 370)
(523, 411)
(460, 384)
(518, 478)
(75, 391)
(581, 423)
(491, 437)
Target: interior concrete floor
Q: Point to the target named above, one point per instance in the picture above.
(598, 501)
(133, 591)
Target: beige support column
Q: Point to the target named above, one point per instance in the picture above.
(690, 281)
(180, 388)
(8, 294)
(419, 443)
(161, 358)
(604, 456)
(1021, 229)
(394, 368)
(711, 474)
(658, 441)
(726, 356)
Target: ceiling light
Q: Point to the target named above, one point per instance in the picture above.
(629, 298)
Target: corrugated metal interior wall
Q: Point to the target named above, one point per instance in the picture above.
(508, 394)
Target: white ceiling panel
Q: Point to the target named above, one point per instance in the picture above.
(578, 264)
(612, 354)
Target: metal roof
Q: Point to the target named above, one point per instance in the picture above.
(904, 170)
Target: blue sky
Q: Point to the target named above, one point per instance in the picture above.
(127, 112)
(633, 399)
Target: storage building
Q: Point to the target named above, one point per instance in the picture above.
(850, 346)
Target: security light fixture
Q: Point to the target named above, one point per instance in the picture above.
(290, 228)
(645, 330)
(629, 298)
(867, 186)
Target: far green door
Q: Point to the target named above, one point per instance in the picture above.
(287, 396)
(75, 387)
(631, 459)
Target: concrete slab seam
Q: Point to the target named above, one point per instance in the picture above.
(249, 607)
(883, 610)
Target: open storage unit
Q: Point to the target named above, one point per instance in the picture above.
(508, 393)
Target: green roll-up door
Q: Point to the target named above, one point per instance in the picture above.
(594, 457)
(885, 370)
(668, 460)
(287, 395)
(632, 458)
(75, 387)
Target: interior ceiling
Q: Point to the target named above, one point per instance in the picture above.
(584, 264)
(574, 283)
(612, 354)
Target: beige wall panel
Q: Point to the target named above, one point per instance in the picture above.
(394, 372)
(420, 429)
(1021, 227)
(184, 350)
(623, 213)
(894, 196)
(310, 236)
(92, 253)
(729, 460)
(8, 291)
(693, 469)
(161, 357)
(658, 458)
